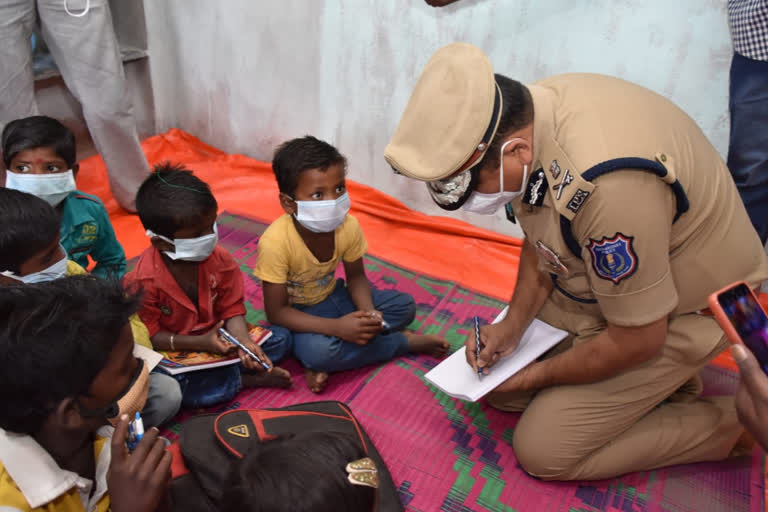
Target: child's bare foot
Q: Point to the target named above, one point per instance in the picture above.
(430, 344)
(316, 381)
(277, 378)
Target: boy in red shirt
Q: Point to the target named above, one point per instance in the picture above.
(192, 287)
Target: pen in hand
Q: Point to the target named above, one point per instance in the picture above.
(231, 339)
(477, 347)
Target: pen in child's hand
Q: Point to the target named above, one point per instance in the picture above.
(231, 339)
(135, 432)
(384, 323)
(477, 347)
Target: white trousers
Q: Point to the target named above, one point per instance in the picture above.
(87, 54)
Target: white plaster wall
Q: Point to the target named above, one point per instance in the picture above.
(245, 75)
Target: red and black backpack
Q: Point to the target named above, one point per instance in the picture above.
(209, 444)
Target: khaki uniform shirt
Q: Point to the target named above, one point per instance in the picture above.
(637, 266)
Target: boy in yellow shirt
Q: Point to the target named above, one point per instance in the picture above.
(30, 252)
(336, 326)
(66, 371)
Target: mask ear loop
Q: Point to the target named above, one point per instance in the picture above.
(501, 165)
(85, 11)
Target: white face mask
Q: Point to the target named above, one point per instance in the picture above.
(322, 216)
(55, 271)
(190, 249)
(52, 188)
(488, 204)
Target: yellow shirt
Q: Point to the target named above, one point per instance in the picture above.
(284, 258)
(31, 481)
(140, 331)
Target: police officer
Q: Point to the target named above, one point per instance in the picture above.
(631, 220)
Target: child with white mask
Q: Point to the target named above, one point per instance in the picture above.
(192, 288)
(336, 325)
(40, 159)
(30, 253)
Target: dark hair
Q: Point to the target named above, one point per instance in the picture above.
(29, 225)
(172, 198)
(55, 338)
(516, 113)
(38, 132)
(299, 155)
(301, 473)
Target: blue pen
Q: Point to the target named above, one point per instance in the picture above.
(477, 346)
(135, 432)
(231, 339)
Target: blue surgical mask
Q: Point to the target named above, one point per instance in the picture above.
(190, 249)
(322, 216)
(55, 271)
(52, 188)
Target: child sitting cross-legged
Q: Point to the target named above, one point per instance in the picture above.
(192, 288)
(40, 158)
(30, 252)
(66, 371)
(336, 325)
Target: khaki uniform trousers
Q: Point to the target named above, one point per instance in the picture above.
(638, 420)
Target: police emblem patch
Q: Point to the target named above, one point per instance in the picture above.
(613, 258)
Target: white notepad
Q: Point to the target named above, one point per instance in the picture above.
(455, 377)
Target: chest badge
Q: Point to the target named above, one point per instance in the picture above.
(537, 187)
(551, 259)
(166, 310)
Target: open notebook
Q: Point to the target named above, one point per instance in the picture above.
(456, 378)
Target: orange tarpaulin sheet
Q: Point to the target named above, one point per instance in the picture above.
(438, 246)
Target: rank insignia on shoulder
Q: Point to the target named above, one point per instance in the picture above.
(577, 200)
(567, 180)
(554, 169)
(613, 258)
(536, 189)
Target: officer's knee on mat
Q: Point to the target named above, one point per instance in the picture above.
(536, 457)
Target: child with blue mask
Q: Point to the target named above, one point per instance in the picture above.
(40, 159)
(192, 288)
(30, 253)
(336, 325)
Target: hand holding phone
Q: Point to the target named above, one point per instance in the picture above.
(743, 319)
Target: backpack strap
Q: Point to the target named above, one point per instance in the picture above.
(630, 163)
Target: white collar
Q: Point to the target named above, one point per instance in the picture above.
(41, 480)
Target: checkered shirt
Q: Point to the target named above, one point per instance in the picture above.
(748, 20)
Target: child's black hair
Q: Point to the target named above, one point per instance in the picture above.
(55, 338)
(173, 198)
(301, 473)
(38, 132)
(299, 155)
(29, 225)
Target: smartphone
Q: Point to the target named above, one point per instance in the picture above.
(743, 319)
